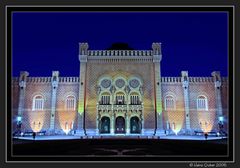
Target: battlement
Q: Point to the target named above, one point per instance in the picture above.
(47, 79)
(76, 79)
(120, 53)
(171, 79)
(191, 79)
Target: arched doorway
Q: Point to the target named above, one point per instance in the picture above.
(120, 125)
(105, 125)
(135, 125)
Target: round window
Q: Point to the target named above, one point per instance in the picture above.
(105, 83)
(120, 83)
(134, 83)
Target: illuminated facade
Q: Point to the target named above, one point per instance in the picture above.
(120, 92)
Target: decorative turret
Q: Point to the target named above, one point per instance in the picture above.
(217, 79)
(156, 48)
(83, 51)
(157, 52)
(55, 79)
(185, 81)
(185, 85)
(218, 83)
(23, 79)
(22, 85)
(157, 57)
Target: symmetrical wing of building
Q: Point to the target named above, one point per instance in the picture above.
(120, 92)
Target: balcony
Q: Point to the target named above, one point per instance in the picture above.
(135, 106)
(104, 107)
(120, 107)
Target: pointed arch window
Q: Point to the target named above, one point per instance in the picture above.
(70, 103)
(38, 103)
(169, 103)
(202, 103)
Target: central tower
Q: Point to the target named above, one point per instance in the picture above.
(120, 91)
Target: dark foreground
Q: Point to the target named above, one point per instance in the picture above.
(120, 147)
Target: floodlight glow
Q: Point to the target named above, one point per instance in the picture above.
(80, 107)
(36, 120)
(66, 131)
(221, 118)
(206, 121)
(19, 118)
(176, 121)
(159, 107)
(66, 119)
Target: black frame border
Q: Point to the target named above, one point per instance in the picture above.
(231, 52)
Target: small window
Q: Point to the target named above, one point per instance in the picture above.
(70, 103)
(202, 103)
(38, 103)
(169, 103)
(120, 99)
(134, 99)
(105, 99)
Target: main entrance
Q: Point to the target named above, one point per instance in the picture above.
(120, 125)
(105, 125)
(135, 125)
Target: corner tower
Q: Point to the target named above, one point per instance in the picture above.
(83, 47)
(120, 91)
(157, 57)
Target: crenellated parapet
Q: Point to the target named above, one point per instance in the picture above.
(153, 55)
(46, 80)
(124, 53)
(170, 80)
(174, 80)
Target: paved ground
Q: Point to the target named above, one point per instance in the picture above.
(72, 145)
(176, 137)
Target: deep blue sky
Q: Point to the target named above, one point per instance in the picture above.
(196, 42)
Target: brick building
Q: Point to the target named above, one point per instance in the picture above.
(120, 92)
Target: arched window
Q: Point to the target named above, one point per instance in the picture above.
(169, 103)
(38, 103)
(105, 99)
(120, 98)
(202, 103)
(134, 99)
(70, 103)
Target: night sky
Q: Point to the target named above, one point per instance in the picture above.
(43, 42)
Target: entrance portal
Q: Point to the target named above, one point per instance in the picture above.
(135, 125)
(120, 125)
(105, 125)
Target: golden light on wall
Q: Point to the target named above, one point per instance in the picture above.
(206, 120)
(66, 119)
(80, 107)
(175, 120)
(36, 120)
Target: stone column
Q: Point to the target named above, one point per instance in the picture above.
(127, 114)
(142, 121)
(218, 98)
(83, 48)
(157, 57)
(55, 80)
(127, 123)
(185, 85)
(112, 123)
(21, 103)
(97, 120)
